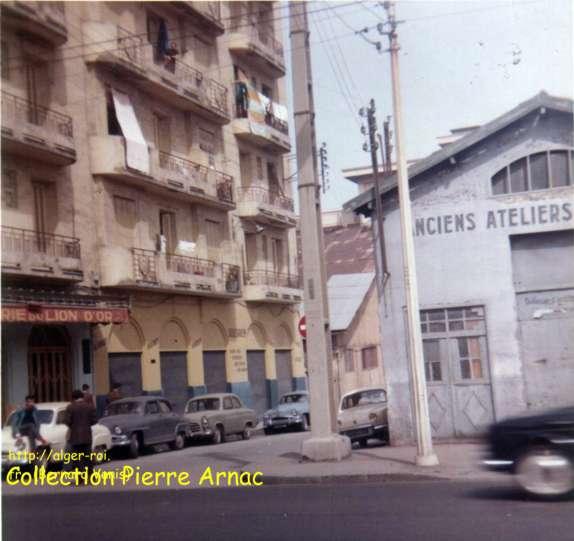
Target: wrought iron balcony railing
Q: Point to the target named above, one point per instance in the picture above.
(26, 241)
(20, 110)
(271, 278)
(261, 194)
(200, 175)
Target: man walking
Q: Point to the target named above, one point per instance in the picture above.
(26, 424)
(80, 416)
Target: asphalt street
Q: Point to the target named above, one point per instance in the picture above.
(429, 510)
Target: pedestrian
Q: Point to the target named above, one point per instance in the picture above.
(25, 423)
(114, 394)
(80, 416)
(88, 396)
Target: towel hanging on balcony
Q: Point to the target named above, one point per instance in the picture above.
(137, 153)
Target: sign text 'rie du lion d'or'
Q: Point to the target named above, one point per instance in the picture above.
(542, 214)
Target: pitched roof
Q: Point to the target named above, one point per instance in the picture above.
(542, 99)
(346, 293)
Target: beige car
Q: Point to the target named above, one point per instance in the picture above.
(363, 415)
(218, 415)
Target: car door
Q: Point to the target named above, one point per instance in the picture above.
(56, 432)
(243, 415)
(230, 420)
(153, 421)
(169, 420)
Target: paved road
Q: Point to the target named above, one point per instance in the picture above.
(429, 510)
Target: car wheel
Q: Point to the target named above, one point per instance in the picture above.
(246, 434)
(363, 442)
(545, 472)
(134, 447)
(218, 435)
(100, 454)
(179, 442)
(268, 431)
(305, 423)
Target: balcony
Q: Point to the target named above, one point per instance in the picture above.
(171, 175)
(44, 20)
(208, 15)
(153, 271)
(169, 80)
(270, 286)
(36, 132)
(28, 253)
(259, 49)
(260, 204)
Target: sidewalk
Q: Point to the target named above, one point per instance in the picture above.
(458, 461)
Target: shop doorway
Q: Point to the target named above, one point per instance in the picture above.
(49, 366)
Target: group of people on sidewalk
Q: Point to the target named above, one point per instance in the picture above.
(80, 415)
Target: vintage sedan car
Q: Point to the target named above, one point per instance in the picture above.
(538, 449)
(54, 431)
(363, 415)
(291, 412)
(143, 421)
(216, 416)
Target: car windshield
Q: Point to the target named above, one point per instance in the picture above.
(44, 416)
(364, 398)
(292, 398)
(202, 404)
(124, 408)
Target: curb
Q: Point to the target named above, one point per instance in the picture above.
(276, 480)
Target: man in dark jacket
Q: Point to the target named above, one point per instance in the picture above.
(80, 416)
(25, 423)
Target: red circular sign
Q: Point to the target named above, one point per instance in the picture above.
(303, 327)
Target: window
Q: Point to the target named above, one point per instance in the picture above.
(266, 91)
(432, 360)
(227, 403)
(125, 211)
(214, 233)
(9, 189)
(540, 171)
(369, 357)
(470, 362)
(162, 132)
(61, 417)
(5, 56)
(168, 232)
(114, 127)
(151, 408)
(207, 144)
(453, 319)
(164, 407)
(259, 165)
(202, 404)
(236, 402)
(349, 360)
(364, 398)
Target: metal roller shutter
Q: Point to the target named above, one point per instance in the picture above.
(215, 374)
(174, 378)
(256, 374)
(126, 370)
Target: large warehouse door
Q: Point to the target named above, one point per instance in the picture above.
(256, 374)
(173, 365)
(215, 374)
(126, 370)
(284, 371)
(544, 282)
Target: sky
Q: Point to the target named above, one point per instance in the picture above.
(461, 63)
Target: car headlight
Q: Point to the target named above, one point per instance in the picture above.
(372, 416)
(204, 421)
(117, 430)
(294, 413)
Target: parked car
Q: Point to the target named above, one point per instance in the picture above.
(538, 449)
(216, 416)
(363, 415)
(54, 431)
(291, 412)
(142, 421)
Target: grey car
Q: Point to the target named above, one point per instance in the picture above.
(291, 412)
(142, 421)
(216, 416)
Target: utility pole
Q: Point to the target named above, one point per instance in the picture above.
(325, 443)
(425, 454)
(380, 235)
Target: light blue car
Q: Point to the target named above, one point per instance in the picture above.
(291, 412)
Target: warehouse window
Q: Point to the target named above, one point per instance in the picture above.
(369, 357)
(433, 362)
(453, 319)
(540, 171)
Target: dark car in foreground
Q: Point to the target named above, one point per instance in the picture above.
(538, 449)
(143, 421)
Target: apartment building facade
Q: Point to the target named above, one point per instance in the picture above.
(148, 231)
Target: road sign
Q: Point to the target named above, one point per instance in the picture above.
(303, 327)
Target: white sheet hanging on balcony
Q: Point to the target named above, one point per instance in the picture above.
(137, 152)
(280, 111)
